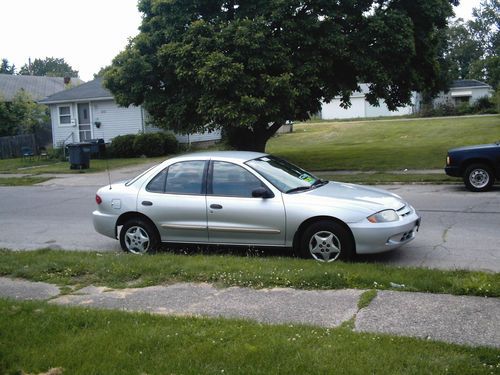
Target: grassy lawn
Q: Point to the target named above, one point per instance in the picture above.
(382, 145)
(21, 181)
(125, 270)
(35, 167)
(387, 178)
(36, 337)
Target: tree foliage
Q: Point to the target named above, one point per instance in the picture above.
(50, 66)
(248, 66)
(474, 46)
(6, 68)
(22, 115)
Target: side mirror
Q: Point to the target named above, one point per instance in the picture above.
(262, 192)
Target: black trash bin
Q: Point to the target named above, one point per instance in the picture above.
(79, 155)
(97, 148)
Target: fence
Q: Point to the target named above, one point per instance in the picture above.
(10, 147)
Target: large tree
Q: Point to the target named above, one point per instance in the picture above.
(50, 66)
(248, 66)
(473, 46)
(22, 115)
(6, 68)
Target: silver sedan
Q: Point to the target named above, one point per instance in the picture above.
(251, 199)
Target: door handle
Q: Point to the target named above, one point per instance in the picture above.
(216, 206)
(147, 203)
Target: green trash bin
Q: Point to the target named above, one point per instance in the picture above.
(79, 155)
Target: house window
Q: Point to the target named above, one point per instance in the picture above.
(64, 115)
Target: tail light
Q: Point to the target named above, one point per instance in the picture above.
(98, 199)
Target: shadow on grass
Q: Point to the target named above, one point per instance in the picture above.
(241, 251)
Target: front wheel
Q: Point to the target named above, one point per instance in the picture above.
(478, 177)
(139, 237)
(327, 241)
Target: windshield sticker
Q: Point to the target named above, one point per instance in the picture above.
(307, 178)
(265, 159)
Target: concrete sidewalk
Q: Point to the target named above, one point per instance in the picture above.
(454, 319)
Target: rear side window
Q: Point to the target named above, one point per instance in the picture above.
(185, 178)
(180, 178)
(157, 184)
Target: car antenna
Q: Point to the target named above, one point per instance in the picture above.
(107, 168)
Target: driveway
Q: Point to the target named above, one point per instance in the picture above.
(459, 229)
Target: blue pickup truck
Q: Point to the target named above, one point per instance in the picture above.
(479, 165)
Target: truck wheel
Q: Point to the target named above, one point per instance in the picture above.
(478, 177)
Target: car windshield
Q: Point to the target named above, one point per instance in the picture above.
(285, 176)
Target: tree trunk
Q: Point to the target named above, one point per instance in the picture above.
(244, 139)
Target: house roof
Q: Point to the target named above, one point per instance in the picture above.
(93, 90)
(38, 87)
(461, 83)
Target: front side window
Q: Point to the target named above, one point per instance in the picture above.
(285, 176)
(64, 115)
(232, 180)
(185, 177)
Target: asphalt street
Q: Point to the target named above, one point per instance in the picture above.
(460, 230)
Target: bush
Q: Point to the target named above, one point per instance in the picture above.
(147, 144)
(56, 153)
(483, 105)
(122, 146)
(170, 143)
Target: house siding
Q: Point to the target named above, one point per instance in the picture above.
(333, 110)
(115, 120)
(199, 137)
(66, 133)
(474, 93)
(360, 108)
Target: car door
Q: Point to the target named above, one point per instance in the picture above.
(176, 202)
(234, 216)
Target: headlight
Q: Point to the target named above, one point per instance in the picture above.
(385, 216)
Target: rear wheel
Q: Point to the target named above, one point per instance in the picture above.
(327, 241)
(478, 177)
(139, 237)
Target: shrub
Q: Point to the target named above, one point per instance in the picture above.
(56, 153)
(122, 146)
(170, 143)
(483, 105)
(155, 144)
(464, 109)
(148, 144)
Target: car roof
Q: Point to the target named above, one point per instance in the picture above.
(234, 156)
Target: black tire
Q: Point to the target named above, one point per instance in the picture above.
(478, 177)
(326, 241)
(137, 236)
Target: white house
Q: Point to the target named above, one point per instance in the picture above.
(460, 91)
(464, 91)
(360, 108)
(89, 111)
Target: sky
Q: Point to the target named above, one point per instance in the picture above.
(86, 33)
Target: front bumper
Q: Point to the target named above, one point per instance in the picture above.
(376, 238)
(105, 223)
(452, 171)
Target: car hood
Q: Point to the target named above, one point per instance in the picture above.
(476, 147)
(363, 198)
